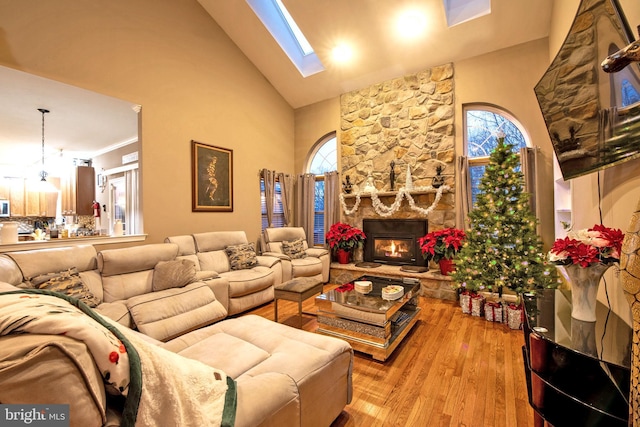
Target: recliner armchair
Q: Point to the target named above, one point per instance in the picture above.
(314, 262)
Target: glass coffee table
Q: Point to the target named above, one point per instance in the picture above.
(370, 323)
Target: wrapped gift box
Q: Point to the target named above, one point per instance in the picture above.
(471, 303)
(477, 305)
(465, 302)
(515, 316)
(493, 311)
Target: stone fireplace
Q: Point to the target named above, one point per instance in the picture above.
(394, 241)
(404, 125)
(408, 121)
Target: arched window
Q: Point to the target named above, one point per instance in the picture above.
(481, 124)
(322, 158)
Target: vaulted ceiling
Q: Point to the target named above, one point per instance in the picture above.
(368, 26)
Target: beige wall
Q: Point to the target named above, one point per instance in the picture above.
(312, 123)
(191, 80)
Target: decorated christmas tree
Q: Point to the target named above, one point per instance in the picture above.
(502, 246)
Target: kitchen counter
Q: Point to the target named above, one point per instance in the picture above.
(56, 243)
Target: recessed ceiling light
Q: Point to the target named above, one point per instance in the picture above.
(342, 53)
(411, 23)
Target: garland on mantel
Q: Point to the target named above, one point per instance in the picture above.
(386, 211)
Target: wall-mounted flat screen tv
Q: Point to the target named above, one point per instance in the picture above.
(593, 116)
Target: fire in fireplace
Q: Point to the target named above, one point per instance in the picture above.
(393, 241)
(392, 248)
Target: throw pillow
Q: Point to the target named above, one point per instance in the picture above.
(173, 274)
(242, 256)
(294, 249)
(66, 282)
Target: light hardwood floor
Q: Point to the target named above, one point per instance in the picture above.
(451, 370)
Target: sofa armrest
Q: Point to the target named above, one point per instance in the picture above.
(220, 288)
(269, 260)
(203, 275)
(116, 311)
(52, 369)
(9, 271)
(317, 252)
(277, 255)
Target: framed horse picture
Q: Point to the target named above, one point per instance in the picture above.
(212, 178)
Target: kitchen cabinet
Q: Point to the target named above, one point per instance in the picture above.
(78, 191)
(40, 203)
(16, 196)
(27, 199)
(5, 189)
(49, 200)
(48, 204)
(31, 199)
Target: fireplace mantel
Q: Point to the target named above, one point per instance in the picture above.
(422, 194)
(441, 216)
(395, 193)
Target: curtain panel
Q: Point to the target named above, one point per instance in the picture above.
(331, 199)
(286, 196)
(305, 196)
(464, 192)
(269, 180)
(529, 162)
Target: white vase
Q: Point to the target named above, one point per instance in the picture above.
(408, 183)
(584, 289)
(117, 228)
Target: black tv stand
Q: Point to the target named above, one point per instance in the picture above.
(578, 373)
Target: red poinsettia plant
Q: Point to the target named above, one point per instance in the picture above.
(597, 245)
(344, 236)
(441, 244)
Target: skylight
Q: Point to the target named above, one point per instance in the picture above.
(297, 33)
(459, 11)
(286, 32)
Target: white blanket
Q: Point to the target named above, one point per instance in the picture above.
(172, 389)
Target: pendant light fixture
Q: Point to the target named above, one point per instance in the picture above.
(43, 173)
(43, 185)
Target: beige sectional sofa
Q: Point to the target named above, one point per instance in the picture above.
(283, 376)
(248, 287)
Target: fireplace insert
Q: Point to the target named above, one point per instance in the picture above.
(393, 241)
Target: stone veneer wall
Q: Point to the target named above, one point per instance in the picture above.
(409, 120)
